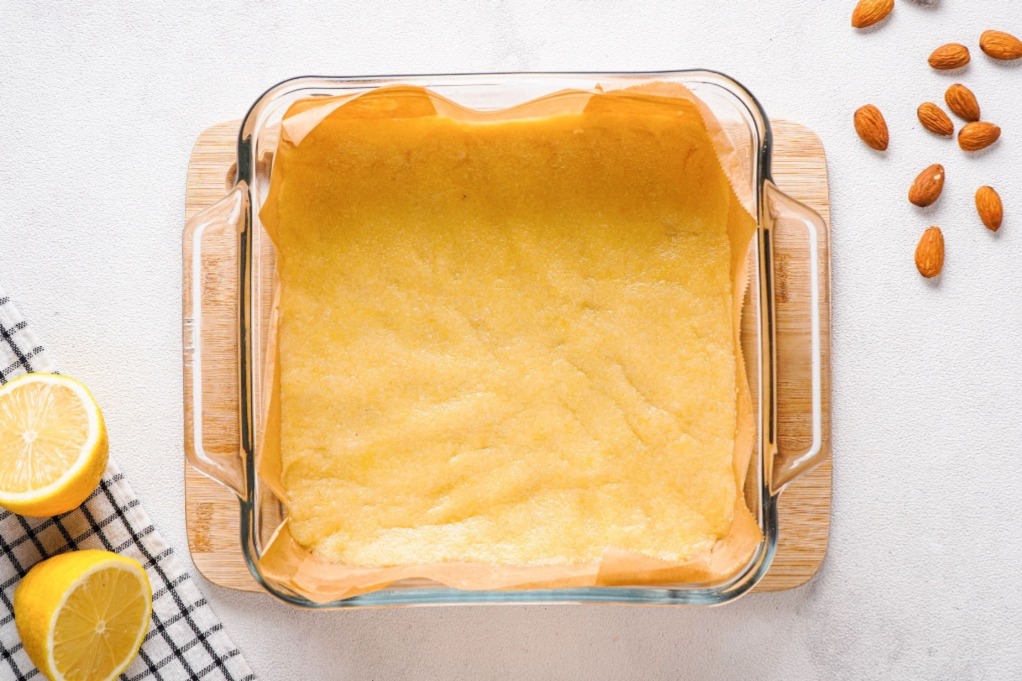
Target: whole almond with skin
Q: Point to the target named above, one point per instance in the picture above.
(928, 185)
(978, 135)
(871, 127)
(989, 207)
(962, 102)
(930, 253)
(950, 56)
(935, 120)
(869, 12)
(1000, 45)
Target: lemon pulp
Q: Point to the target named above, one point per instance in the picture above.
(99, 624)
(42, 429)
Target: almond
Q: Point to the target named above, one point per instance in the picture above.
(978, 135)
(950, 56)
(1000, 45)
(871, 127)
(962, 102)
(869, 12)
(935, 120)
(989, 207)
(930, 253)
(927, 186)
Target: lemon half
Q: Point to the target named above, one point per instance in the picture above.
(83, 615)
(53, 444)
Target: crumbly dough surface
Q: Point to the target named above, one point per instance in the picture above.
(505, 342)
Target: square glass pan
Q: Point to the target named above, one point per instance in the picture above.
(770, 470)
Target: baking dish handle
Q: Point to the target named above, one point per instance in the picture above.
(788, 465)
(229, 213)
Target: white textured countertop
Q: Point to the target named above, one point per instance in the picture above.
(99, 108)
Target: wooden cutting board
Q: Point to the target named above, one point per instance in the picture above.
(211, 511)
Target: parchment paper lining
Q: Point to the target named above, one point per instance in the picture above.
(287, 562)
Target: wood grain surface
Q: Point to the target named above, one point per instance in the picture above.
(211, 511)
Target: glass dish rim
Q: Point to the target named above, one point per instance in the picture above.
(716, 594)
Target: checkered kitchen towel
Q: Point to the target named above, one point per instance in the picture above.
(185, 639)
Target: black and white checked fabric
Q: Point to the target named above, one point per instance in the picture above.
(185, 639)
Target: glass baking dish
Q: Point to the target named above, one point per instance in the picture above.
(771, 465)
